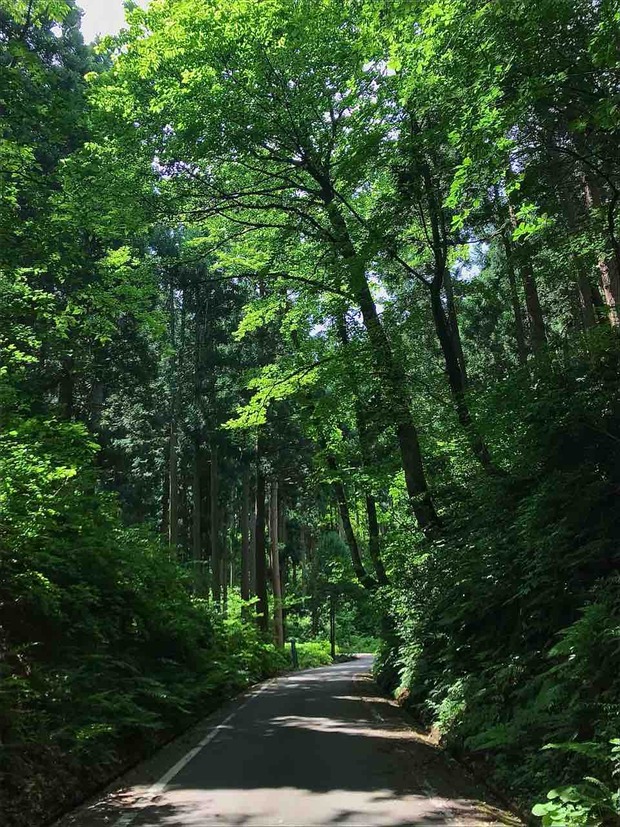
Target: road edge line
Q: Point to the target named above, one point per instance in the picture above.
(161, 785)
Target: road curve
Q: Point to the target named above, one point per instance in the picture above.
(319, 747)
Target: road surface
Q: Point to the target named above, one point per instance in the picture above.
(320, 747)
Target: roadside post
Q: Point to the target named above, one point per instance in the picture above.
(294, 655)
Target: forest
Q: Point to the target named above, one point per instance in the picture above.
(310, 329)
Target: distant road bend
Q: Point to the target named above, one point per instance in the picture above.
(319, 747)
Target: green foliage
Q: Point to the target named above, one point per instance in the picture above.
(509, 630)
(104, 651)
(313, 654)
(360, 249)
(590, 803)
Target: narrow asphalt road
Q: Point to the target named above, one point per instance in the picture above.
(319, 747)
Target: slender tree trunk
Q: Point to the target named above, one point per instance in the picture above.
(608, 264)
(245, 535)
(305, 540)
(406, 433)
(66, 388)
(584, 288)
(225, 562)
(283, 538)
(314, 619)
(453, 320)
(366, 454)
(216, 556)
(173, 492)
(393, 375)
(609, 277)
(446, 323)
(514, 300)
(262, 606)
(309, 581)
(173, 476)
(538, 334)
(332, 624)
(253, 537)
(609, 282)
(349, 534)
(457, 380)
(165, 500)
(586, 299)
(278, 624)
(197, 517)
(197, 493)
(374, 541)
(97, 397)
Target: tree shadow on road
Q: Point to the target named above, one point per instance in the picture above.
(310, 750)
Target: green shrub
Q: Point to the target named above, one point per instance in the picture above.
(506, 634)
(590, 803)
(314, 654)
(104, 651)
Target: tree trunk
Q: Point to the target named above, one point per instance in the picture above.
(332, 625)
(349, 534)
(608, 264)
(392, 374)
(196, 518)
(446, 323)
(165, 502)
(278, 624)
(306, 558)
(584, 288)
(262, 606)
(225, 564)
(374, 541)
(244, 524)
(97, 398)
(454, 322)
(586, 298)
(457, 380)
(366, 455)
(609, 279)
(283, 539)
(514, 300)
(173, 481)
(66, 388)
(407, 435)
(538, 335)
(216, 556)
(173, 491)
(253, 537)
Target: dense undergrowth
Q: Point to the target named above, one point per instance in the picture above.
(509, 629)
(105, 653)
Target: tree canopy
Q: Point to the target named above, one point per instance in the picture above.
(310, 329)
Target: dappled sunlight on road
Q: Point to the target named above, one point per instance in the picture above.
(316, 748)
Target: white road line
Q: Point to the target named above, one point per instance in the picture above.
(160, 786)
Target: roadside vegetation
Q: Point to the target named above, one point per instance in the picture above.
(309, 329)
